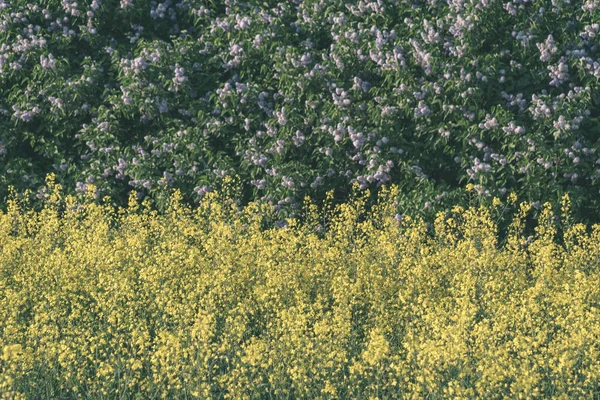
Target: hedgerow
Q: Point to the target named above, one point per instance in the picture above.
(301, 97)
(98, 302)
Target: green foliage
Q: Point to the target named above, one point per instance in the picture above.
(303, 97)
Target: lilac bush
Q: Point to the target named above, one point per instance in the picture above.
(301, 97)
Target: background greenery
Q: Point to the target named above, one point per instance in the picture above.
(300, 97)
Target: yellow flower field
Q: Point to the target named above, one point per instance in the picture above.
(206, 303)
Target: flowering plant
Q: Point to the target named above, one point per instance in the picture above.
(205, 303)
(302, 97)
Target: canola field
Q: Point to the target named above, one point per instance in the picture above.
(105, 303)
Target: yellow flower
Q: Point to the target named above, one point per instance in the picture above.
(208, 303)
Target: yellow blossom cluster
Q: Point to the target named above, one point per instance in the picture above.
(207, 302)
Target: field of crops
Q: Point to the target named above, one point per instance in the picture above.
(206, 303)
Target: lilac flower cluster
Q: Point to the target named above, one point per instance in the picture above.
(302, 97)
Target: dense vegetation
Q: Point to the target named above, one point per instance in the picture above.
(204, 303)
(302, 97)
(389, 231)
